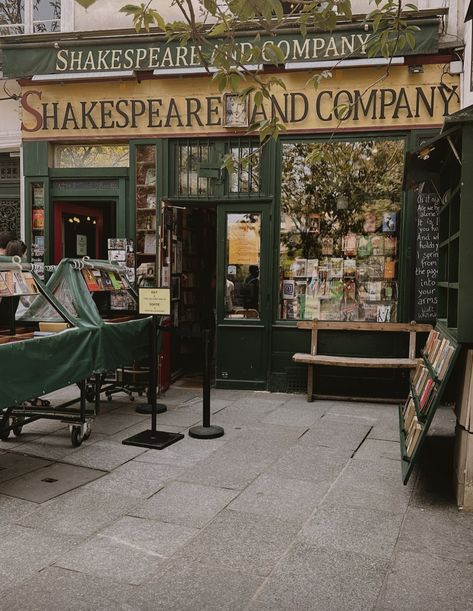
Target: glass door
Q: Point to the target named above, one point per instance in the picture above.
(243, 295)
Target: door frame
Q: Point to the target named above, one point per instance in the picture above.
(65, 207)
(264, 208)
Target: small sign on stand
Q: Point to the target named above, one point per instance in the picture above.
(155, 302)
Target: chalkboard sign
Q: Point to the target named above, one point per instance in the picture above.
(428, 205)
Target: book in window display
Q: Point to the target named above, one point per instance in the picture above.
(299, 268)
(377, 243)
(349, 268)
(349, 244)
(369, 222)
(312, 268)
(327, 246)
(337, 267)
(390, 245)
(364, 246)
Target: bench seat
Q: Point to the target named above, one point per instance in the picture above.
(355, 361)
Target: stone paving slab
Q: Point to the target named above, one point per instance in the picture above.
(79, 512)
(57, 589)
(186, 452)
(104, 454)
(48, 482)
(54, 446)
(322, 579)
(111, 423)
(241, 542)
(129, 551)
(187, 504)
(135, 479)
(181, 585)
(277, 497)
(335, 432)
(346, 528)
(422, 581)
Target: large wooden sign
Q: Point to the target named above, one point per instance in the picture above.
(351, 100)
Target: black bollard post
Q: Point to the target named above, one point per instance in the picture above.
(206, 431)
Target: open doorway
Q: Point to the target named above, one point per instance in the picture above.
(190, 244)
(82, 229)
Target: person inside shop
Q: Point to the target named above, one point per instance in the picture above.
(6, 237)
(252, 283)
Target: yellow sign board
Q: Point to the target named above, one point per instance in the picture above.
(243, 244)
(155, 301)
(352, 99)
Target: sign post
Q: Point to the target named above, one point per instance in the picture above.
(155, 302)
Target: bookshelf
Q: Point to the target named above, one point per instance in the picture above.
(426, 391)
(146, 215)
(452, 180)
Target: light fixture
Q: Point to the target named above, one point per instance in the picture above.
(70, 220)
(344, 63)
(416, 68)
(342, 202)
(88, 218)
(95, 222)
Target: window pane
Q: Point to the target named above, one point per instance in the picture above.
(12, 12)
(91, 156)
(245, 177)
(46, 15)
(340, 209)
(241, 290)
(190, 155)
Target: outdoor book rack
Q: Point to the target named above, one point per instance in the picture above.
(426, 391)
(39, 355)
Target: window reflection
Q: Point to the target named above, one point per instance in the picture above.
(242, 279)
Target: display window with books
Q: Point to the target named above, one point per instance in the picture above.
(339, 234)
(146, 215)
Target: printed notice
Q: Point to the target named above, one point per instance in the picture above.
(155, 301)
(426, 270)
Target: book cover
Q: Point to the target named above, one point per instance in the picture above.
(349, 290)
(37, 218)
(106, 280)
(21, 286)
(149, 247)
(329, 309)
(3, 285)
(349, 268)
(383, 313)
(349, 244)
(336, 289)
(373, 291)
(337, 267)
(377, 242)
(90, 279)
(389, 221)
(288, 289)
(116, 280)
(369, 222)
(375, 267)
(364, 246)
(389, 269)
(390, 245)
(30, 283)
(370, 312)
(349, 311)
(327, 246)
(312, 268)
(299, 268)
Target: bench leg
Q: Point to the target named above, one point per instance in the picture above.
(310, 382)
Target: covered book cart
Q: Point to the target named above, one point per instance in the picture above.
(98, 296)
(44, 351)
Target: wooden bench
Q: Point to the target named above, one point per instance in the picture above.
(410, 362)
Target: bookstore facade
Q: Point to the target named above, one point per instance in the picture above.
(316, 225)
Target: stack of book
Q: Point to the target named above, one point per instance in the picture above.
(412, 426)
(438, 351)
(17, 283)
(102, 280)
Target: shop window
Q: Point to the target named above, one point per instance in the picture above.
(30, 16)
(194, 167)
(91, 156)
(242, 290)
(245, 177)
(339, 237)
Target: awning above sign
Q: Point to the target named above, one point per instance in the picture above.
(144, 55)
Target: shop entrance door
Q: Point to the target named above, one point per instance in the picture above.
(243, 295)
(78, 231)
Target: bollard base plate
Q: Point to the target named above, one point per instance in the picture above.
(155, 440)
(145, 408)
(206, 432)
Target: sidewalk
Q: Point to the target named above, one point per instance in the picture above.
(298, 507)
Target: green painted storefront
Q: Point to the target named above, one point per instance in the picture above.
(250, 353)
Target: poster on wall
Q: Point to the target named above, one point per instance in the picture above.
(81, 245)
(243, 244)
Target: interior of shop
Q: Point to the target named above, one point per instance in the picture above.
(190, 258)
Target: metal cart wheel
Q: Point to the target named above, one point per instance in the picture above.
(4, 434)
(76, 436)
(87, 431)
(17, 426)
(17, 430)
(90, 393)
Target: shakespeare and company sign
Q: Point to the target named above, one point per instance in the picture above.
(144, 53)
(172, 106)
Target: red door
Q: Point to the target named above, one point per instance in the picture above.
(78, 231)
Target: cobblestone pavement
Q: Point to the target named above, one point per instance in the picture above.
(299, 506)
